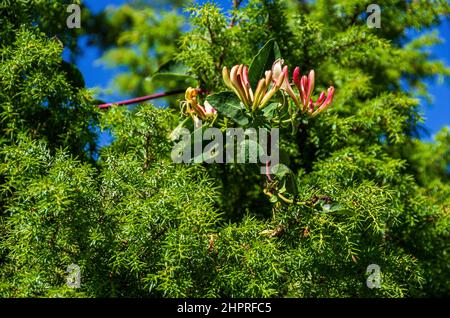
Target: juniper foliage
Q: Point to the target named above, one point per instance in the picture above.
(369, 191)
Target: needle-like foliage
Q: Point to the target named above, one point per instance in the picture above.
(363, 189)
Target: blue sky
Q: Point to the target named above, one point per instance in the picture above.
(437, 115)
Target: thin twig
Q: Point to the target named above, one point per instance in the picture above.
(141, 99)
(236, 4)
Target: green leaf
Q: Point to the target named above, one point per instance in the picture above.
(248, 146)
(280, 170)
(273, 199)
(270, 110)
(229, 105)
(332, 207)
(286, 176)
(263, 61)
(174, 71)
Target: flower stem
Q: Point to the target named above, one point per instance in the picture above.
(282, 197)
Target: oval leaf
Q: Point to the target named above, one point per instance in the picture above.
(263, 62)
(229, 105)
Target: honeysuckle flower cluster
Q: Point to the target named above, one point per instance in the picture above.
(192, 107)
(237, 80)
(305, 86)
(274, 80)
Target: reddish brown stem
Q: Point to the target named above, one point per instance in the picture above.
(141, 99)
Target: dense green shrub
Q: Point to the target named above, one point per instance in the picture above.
(139, 225)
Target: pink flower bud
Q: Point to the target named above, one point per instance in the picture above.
(209, 110)
(320, 99)
(245, 76)
(240, 74)
(233, 75)
(236, 81)
(329, 99)
(268, 77)
(281, 78)
(296, 77)
(311, 78)
(311, 105)
(277, 68)
(304, 89)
